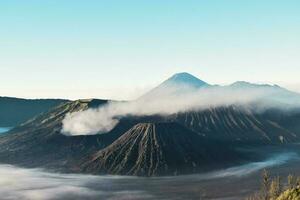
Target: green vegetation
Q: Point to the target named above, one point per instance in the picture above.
(273, 189)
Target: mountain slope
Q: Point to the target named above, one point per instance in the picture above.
(39, 142)
(152, 149)
(236, 124)
(15, 111)
(289, 119)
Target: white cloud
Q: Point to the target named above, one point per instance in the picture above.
(164, 101)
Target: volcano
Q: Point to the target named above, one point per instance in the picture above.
(153, 149)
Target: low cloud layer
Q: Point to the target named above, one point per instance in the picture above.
(36, 184)
(166, 101)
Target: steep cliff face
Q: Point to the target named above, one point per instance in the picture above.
(152, 149)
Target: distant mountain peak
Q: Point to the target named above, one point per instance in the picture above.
(179, 83)
(183, 74)
(186, 79)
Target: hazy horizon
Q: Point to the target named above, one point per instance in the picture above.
(133, 93)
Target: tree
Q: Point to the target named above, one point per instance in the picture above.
(292, 181)
(265, 185)
(275, 188)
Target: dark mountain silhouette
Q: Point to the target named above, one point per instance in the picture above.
(14, 111)
(152, 149)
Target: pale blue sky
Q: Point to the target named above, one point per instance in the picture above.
(118, 49)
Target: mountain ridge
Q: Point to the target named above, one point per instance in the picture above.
(18, 110)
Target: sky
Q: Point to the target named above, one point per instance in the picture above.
(120, 49)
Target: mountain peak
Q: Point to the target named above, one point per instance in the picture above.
(179, 83)
(186, 79)
(183, 74)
